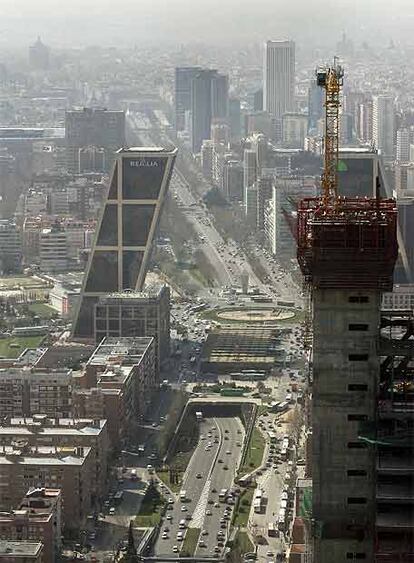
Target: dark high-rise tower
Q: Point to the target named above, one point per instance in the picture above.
(220, 96)
(209, 99)
(127, 226)
(183, 79)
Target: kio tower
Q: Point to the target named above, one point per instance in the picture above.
(279, 77)
(347, 248)
(128, 223)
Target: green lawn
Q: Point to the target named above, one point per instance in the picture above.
(190, 542)
(12, 347)
(243, 543)
(242, 510)
(151, 508)
(43, 310)
(255, 451)
(164, 475)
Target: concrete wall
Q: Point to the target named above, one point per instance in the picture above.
(343, 505)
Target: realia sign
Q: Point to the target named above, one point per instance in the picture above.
(144, 163)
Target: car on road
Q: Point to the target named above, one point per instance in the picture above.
(170, 501)
(175, 548)
(225, 467)
(228, 452)
(220, 460)
(204, 532)
(164, 536)
(217, 549)
(226, 437)
(216, 505)
(112, 510)
(180, 536)
(184, 508)
(201, 543)
(208, 512)
(199, 475)
(169, 517)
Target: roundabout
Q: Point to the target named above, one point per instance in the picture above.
(255, 315)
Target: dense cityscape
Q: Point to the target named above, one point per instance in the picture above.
(207, 302)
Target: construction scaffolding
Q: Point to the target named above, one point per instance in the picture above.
(394, 440)
(352, 244)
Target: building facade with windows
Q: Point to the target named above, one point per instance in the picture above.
(139, 313)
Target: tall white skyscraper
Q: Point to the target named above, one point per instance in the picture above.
(383, 125)
(403, 145)
(279, 77)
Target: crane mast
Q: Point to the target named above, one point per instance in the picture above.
(331, 80)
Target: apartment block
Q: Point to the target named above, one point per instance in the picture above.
(41, 430)
(68, 468)
(27, 391)
(21, 552)
(37, 518)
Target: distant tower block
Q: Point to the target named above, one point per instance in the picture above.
(127, 226)
(244, 278)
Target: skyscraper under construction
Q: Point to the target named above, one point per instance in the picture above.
(363, 466)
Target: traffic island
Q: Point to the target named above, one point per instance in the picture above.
(190, 542)
(254, 453)
(242, 508)
(239, 547)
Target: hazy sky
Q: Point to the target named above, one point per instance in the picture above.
(84, 22)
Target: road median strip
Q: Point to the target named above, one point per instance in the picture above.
(190, 542)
